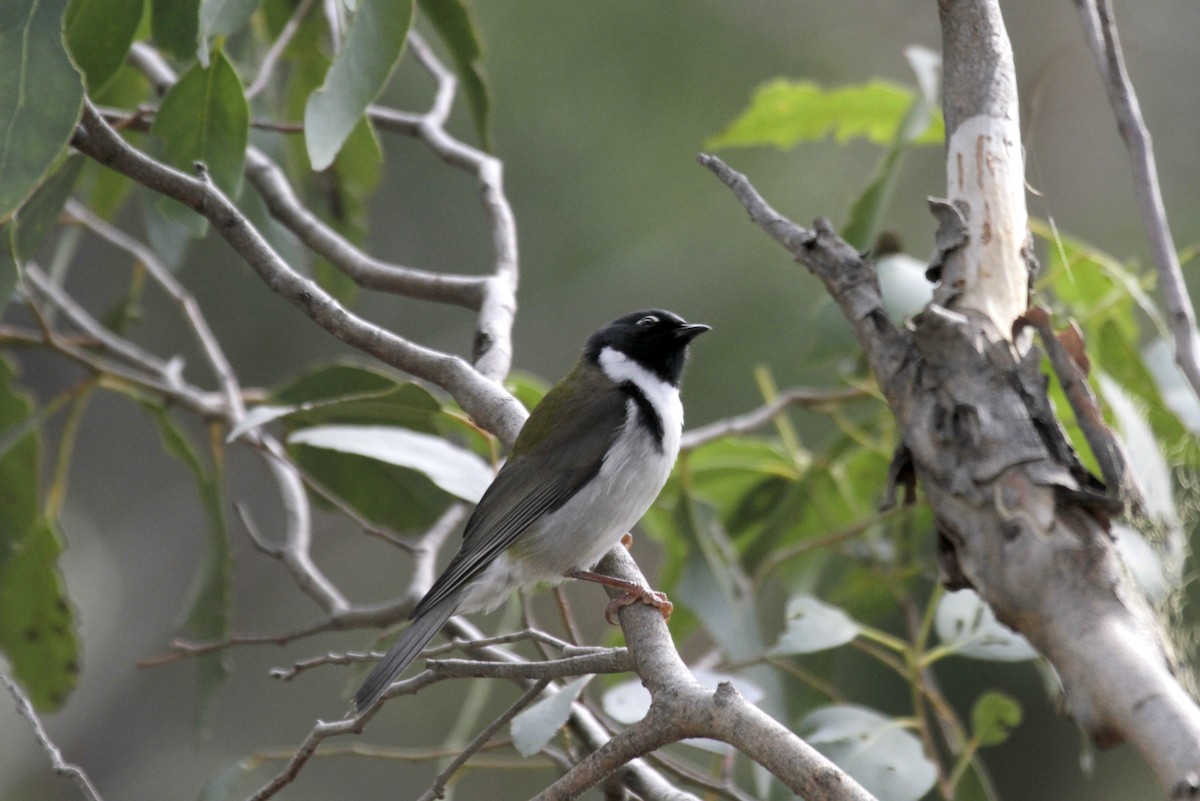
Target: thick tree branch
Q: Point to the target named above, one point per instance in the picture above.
(1100, 32)
(681, 708)
(1020, 521)
(985, 167)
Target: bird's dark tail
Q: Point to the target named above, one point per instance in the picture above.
(401, 655)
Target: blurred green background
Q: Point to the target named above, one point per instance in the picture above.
(599, 111)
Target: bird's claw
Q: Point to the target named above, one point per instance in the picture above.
(627, 541)
(643, 595)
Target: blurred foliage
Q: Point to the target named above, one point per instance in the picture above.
(744, 517)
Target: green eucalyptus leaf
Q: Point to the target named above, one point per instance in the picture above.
(8, 264)
(528, 388)
(175, 25)
(1158, 358)
(712, 584)
(204, 118)
(36, 620)
(360, 71)
(786, 113)
(344, 393)
(968, 626)
(41, 96)
(40, 213)
(395, 497)
(333, 381)
(868, 211)
(208, 606)
(98, 34)
(222, 18)
(993, 718)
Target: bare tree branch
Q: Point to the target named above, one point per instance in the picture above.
(208, 342)
(1100, 32)
(480, 397)
(493, 337)
(613, 660)
(267, 66)
(368, 272)
(753, 420)
(439, 783)
(682, 708)
(1018, 519)
(59, 765)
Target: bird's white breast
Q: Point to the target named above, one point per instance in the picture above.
(576, 535)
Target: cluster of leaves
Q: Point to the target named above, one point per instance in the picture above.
(58, 54)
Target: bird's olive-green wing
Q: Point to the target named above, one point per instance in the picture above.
(560, 448)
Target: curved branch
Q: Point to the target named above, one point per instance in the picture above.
(366, 271)
(682, 708)
(492, 353)
(492, 407)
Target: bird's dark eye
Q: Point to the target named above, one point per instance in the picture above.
(648, 320)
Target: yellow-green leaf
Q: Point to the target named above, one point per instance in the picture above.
(786, 113)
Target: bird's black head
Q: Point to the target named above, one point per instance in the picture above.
(654, 338)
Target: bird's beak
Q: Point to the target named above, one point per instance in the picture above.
(689, 332)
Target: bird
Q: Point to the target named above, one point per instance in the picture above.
(590, 459)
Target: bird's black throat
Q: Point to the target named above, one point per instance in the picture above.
(648, 417)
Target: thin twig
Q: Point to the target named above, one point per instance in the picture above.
(614, 660)
(267, 66)
(439, 784)
(687, 773)
(295, 554)
(209, 344)
(1100, 31)
(753, 420)
(117, 345)
(186, 649)
(1106, 446)
(60, 765)
(835, 537)
(359, 657)
(417, 755)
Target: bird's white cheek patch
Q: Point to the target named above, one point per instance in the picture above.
(662, 395)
